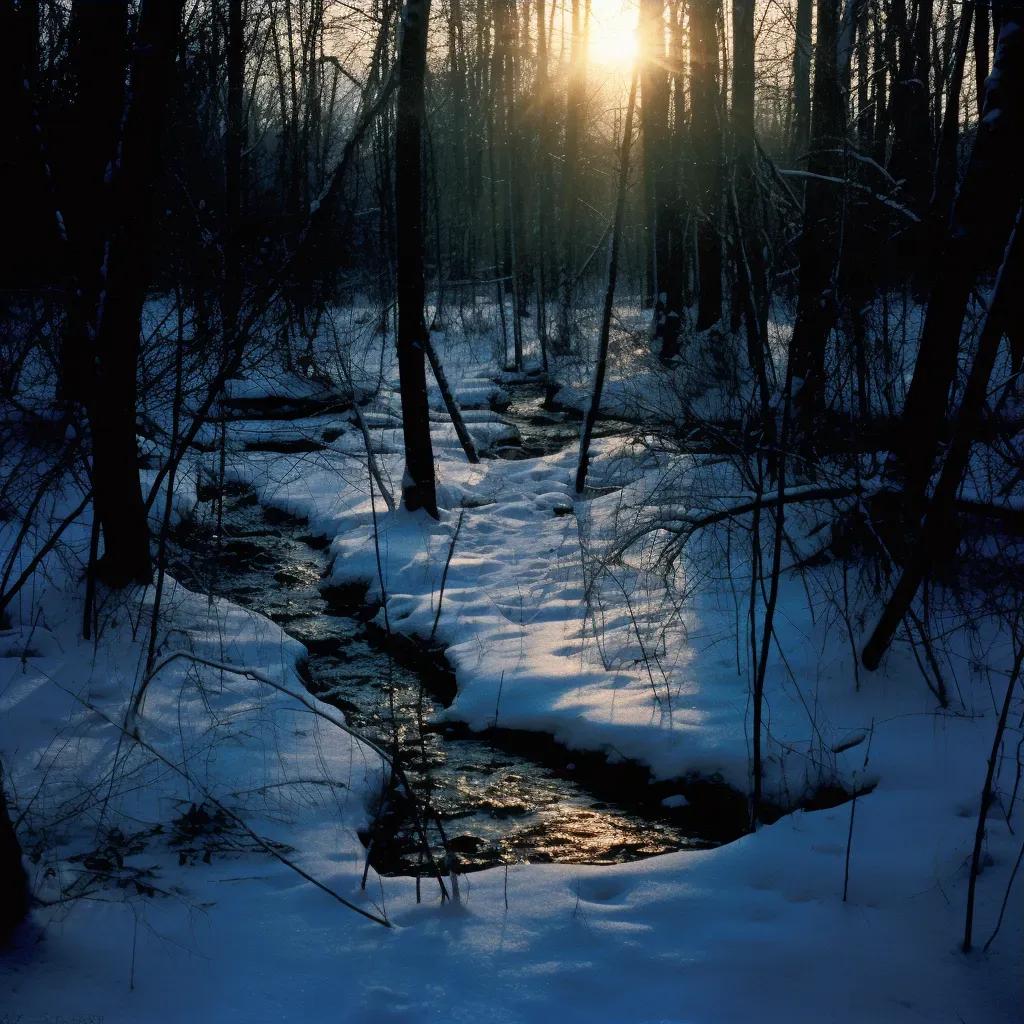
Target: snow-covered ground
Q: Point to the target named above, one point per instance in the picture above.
(547, 631)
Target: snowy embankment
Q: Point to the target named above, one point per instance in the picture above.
(545, 632)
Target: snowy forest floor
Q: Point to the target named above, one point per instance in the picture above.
(561, 623)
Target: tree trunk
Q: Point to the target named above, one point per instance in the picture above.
(23, 168)
(462, 182)
(911, 159)
(663, 221)
(982, 215)
(818, 245)
(801, 83)
(545, 204)
(649, 56)
(938, 537)
(883, 66)
(981, 51)
(751, 269)
(573, 128)
(14, 893)
(707, 143)
(451, 403)
(418, 487)
(609, 298)
(234, 144)
(945, 163)
(845, 42)
(865, 118)
(85, 192)
(504, 43)
(115, 472)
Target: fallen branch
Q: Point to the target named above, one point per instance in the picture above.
(885, 201)
(450, 403)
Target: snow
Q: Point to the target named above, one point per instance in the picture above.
(536, 608)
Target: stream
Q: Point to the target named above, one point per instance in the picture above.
(504, 796)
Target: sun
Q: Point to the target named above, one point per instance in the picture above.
(613, 33)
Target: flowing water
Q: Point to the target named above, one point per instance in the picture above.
(503, 796)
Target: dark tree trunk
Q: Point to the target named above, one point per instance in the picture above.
(663, 221)
(982, 215)
(14, 893)
(801, 83)
(911, 159)
(504, 46)
(945, 163)
(938, 537)
(418, 488)
(865, 114)
(101, 39)
(707, 143)
(981, 51)
(649, 54)
(884, 67)
(545, 200)
(653, 118)
(606, 316)
(233, 167)
(116, 487)
(573, 128)
(33, 248)
(462, 179)
(845, 42)
(818, 245)
(751, 264)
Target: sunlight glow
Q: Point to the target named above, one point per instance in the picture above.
(613, 33)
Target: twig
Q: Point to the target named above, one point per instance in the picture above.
(361, 420)
(444, 574)
(853, 811)
(1006, 899)
(986, 796)
(7, 596)
(497, 702)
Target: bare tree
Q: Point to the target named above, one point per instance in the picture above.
(983, 214)
(114, 329)
(606, 317)
(819, 243)
(418, 488)
(706, 134)
(801, 134)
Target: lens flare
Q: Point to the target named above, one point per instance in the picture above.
(613, 33)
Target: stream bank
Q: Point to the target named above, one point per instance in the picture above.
(504, 795)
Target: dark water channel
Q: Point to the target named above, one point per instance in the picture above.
(504, 796)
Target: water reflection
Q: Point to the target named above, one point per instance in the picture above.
(503, 797)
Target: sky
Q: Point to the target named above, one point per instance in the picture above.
(613, 32)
